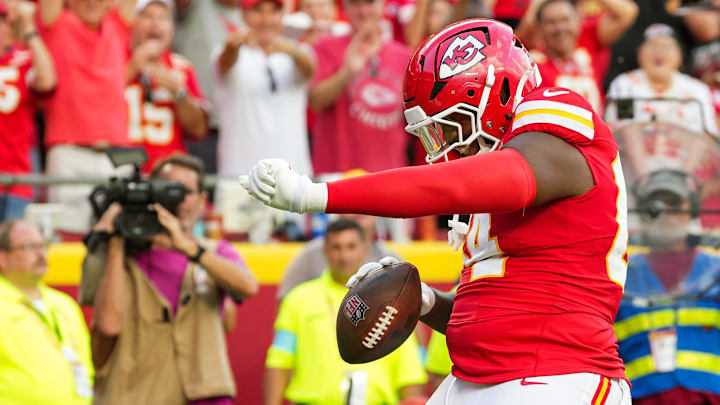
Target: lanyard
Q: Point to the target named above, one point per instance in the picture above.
(52, 325)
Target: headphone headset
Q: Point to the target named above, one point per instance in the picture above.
(653, 208)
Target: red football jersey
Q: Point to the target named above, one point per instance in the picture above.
(17, 130)
(541, 287)
(583, 73)
(152, 120)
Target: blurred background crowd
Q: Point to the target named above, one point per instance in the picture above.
(209, 87)
(315, 82)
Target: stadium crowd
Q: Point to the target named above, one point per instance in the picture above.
(314, 83)
(213, 86)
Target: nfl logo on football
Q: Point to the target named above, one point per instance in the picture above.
(355, 309)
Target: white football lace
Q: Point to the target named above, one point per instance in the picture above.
(376, 333)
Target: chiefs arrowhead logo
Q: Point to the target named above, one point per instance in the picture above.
(461, 55)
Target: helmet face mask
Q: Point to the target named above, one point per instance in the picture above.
(454, 128)
(468, 78)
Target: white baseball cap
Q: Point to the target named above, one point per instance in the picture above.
(141, 4)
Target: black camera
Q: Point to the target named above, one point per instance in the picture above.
(134, 194)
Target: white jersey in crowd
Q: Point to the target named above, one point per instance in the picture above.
(696, 116)
(261, 108)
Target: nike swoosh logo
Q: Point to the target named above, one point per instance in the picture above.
(548, 93)
(523, 382)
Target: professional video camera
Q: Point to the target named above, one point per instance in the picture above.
(136, 221)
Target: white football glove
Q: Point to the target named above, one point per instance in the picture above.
(457, 232)
(276, 184)
(427, 294)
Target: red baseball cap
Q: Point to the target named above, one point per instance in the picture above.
(246, 4)
(3, 8)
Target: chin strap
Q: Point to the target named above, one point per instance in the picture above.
(457, 232)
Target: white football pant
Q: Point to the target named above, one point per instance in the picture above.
(567, 389)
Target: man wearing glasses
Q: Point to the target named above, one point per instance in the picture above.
(44, 338)
(158, 311)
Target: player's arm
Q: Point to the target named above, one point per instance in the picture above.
(532, 169)
(436, 306)
(43, 78)
(619, 16)
(439, 315)
(560, 169)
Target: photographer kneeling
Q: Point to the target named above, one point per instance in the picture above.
(157, 333)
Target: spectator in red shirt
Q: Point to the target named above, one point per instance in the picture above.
(26, 67)
(358, 97)
(86, 114)
(573, 51)
(163, 97)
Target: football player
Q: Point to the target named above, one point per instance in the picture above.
(545, 247)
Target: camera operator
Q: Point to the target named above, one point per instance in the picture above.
(157, 334)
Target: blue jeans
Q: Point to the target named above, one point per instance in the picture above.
(12, 207)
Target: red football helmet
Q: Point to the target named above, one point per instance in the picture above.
(474, 72)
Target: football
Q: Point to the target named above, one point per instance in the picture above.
(379, 313)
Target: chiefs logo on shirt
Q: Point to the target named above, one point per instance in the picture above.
(460, 55)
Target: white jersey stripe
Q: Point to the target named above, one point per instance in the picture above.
(554, 105)
(552, 119)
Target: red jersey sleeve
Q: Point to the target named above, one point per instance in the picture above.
(442, 188)
(555, 111)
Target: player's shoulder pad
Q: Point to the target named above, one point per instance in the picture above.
(557, 111)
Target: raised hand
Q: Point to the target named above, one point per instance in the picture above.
(178, 240)
(366, 43)
(276, 184)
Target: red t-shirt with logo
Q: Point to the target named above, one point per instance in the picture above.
(17, 129)
(365, 127)
(152, 118)
(584, 72)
